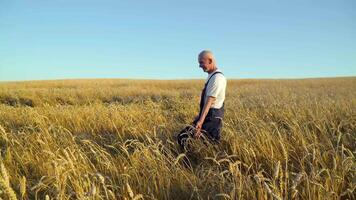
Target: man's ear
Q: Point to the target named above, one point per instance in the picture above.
(210, 60)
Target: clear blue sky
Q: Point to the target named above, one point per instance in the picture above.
(161, 39)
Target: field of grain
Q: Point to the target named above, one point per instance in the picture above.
(115, 139)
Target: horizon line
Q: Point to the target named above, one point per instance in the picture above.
(177, 79)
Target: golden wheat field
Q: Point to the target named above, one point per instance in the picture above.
(115, 139)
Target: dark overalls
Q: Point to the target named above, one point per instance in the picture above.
(212, 124)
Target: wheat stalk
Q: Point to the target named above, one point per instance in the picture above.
(5, 183)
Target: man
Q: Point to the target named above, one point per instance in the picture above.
(209, 120)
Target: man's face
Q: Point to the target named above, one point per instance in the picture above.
(205, 63)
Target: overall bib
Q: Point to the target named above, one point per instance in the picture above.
(212, 124)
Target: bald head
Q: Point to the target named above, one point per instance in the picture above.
(207, 54)
(207, 61)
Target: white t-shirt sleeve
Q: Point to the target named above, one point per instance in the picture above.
(215, 85)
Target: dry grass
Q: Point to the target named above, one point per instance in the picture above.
(114, 139)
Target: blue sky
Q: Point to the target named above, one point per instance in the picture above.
(161, 39)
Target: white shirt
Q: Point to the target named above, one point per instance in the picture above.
(216, 88)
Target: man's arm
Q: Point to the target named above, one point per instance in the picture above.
(205, 111)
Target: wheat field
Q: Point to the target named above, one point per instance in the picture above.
(115, 139)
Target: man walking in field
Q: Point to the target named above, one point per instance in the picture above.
(209, 120)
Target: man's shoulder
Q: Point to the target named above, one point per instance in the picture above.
(219, 76)
(218, 79)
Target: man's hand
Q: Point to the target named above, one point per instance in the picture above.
(205, 111)
(198, 126)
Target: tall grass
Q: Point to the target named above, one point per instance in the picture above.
(115, 139)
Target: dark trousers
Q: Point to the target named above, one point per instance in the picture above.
(211, 129)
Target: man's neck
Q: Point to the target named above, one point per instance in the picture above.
(212, 71)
